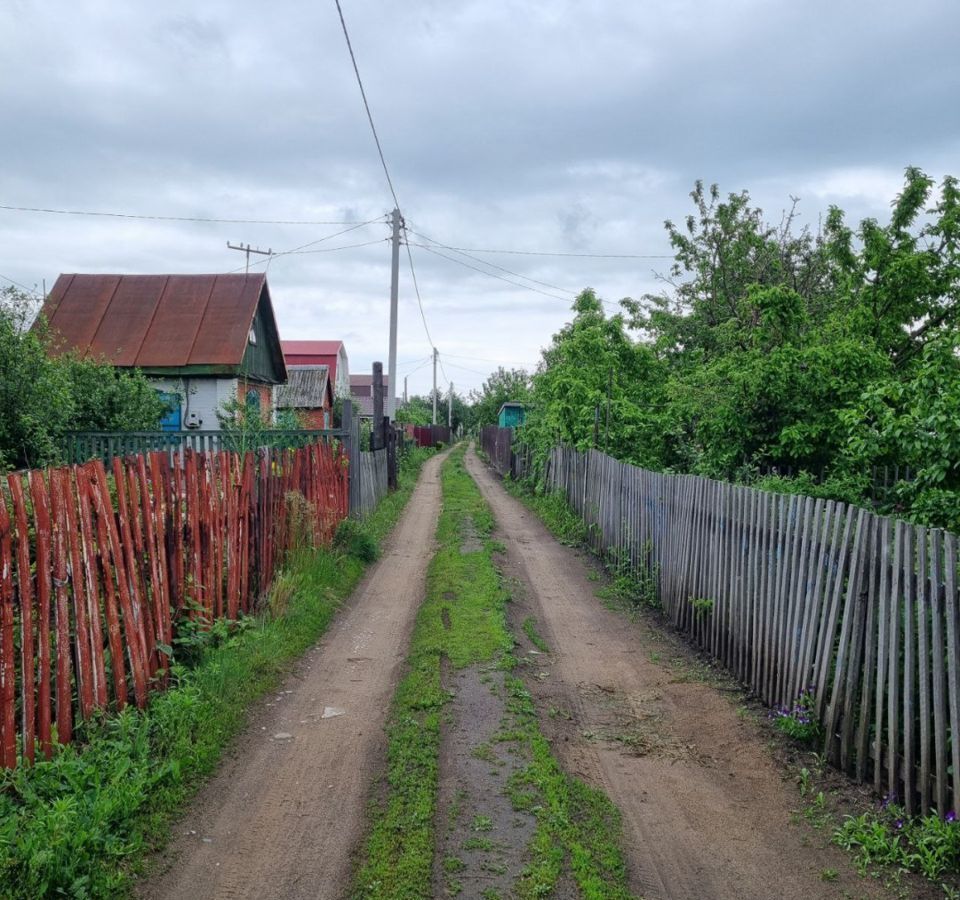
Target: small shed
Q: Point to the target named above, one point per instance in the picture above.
(511, 415)
(308, 393)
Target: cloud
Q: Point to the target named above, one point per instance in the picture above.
(560, 125)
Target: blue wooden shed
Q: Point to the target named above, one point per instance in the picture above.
(511, 415)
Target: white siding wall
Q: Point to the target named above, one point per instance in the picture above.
(203, 396)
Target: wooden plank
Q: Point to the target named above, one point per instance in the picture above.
(883, 649)
(953, 664)
(132, 636)
(870, 653)
(89, 556)
(75, 574)
(939, 688)
(64, 694)
(40, 496)
(8, 663)
(923, 662)
(832, 615)
(819, 560)
(893, 664)
(846, 630)
(909, 667)
(28, 646)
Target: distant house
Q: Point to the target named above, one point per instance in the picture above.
(309, 394)
(331, 354)
(511, 415)
(361, 392)
(202, 340)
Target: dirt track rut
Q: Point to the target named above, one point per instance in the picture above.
(706, 812)
(286, 811)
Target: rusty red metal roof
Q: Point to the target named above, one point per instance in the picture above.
(158, 321)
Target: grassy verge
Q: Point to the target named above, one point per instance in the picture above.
(463, 620)
(80, 824)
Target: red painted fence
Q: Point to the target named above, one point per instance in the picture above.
(97, 568)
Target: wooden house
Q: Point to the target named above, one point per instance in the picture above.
(202, 340)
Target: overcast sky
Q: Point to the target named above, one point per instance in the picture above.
(572, 127)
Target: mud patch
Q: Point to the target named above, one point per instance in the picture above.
(480, 836)
(445, 617)
(470, 540)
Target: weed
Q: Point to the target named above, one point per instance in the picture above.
(799, 722)
(353, 538)
(478, 843)
(927, 844)
(452, 864)
(530, 630)
(702, 606)
(829, 875)
(482, 823)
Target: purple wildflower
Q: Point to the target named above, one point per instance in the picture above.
(950, 816)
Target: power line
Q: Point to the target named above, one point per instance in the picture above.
(484, 262)
(18, 284)
(416, 287)
(465, 369)
(518, 284)
(556, 253)
(366, 106)
(273, 256)
(117, 215)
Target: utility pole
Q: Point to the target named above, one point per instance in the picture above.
(450, 407)
(394, 290)
(434, 385)
(405, 390)
(246, 248)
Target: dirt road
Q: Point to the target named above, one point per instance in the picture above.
(286, 811)
(706, 812)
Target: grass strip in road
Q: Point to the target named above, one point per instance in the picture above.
(80, 824)
(463, 619)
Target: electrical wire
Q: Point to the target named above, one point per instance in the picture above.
(31, 291)
(556, 253)
(416, 287)
(266, 260)
(484, 262)
(366, 105)
(518, 284)
(116, 215)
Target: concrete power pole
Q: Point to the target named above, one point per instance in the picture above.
(405, 401)
(391, 405)
(434, 385)
(450, 407)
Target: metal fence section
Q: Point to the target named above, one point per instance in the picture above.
(97, 569)
(105, 445)
(799, 595)
(428, 435)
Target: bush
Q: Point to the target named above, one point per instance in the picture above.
(353, 538)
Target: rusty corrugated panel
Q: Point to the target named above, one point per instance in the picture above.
(177, 321)
(77, 306)
(127, 319)
(160, 321)
(222, 338)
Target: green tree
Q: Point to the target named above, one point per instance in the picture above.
(43, 396)
(503, 386)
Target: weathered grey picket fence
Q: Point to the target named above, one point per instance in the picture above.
(794, 594)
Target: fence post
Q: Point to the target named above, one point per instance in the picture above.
(391, 434)
(377, 432)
